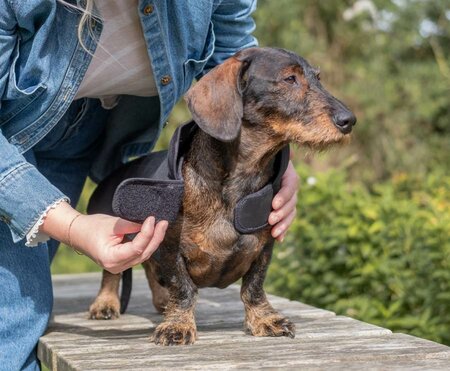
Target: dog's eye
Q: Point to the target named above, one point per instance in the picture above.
(291, 80)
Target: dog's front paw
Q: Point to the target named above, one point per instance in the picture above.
(270, 325)
(174, 333)
(105, 307)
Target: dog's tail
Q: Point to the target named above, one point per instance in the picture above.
(127, 283)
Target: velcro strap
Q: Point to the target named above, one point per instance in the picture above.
(136, 199)
(252, 211)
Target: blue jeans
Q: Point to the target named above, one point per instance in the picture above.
(64, 157)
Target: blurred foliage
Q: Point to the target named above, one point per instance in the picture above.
(389, 61)
(380, 254)
(372, 236)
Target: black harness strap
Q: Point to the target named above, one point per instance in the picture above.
(157, 187)
(252, 211)
(127, 283)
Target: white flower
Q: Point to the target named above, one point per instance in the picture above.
(311, 181)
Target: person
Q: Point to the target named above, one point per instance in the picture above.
(83, 88)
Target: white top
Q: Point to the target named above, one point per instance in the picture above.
(120, 64)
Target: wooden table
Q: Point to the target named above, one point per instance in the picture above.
(323, 341)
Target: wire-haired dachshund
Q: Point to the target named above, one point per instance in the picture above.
(248, 109)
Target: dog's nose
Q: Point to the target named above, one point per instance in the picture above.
(344, 121)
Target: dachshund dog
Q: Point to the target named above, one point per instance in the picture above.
(248, 109)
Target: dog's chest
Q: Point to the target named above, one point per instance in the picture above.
(217, 255)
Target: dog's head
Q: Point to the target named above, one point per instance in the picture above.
(273, 89)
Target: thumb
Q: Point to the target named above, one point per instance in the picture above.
(123, 226)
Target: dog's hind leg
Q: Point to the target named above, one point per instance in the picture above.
(107, 303)
(179, 326)
(260, 317)
(160, 295)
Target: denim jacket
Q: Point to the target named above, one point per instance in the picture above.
(42, 65)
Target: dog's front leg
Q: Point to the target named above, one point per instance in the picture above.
(107, 303)
(260, 317)
(179, 326)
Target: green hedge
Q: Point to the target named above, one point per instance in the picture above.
(381, 255)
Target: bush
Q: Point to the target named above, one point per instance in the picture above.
(381, 255)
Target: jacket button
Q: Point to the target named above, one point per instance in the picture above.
(166, 80)
(148, 9)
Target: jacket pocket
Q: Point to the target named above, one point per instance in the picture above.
(21, 91)
(193, 66)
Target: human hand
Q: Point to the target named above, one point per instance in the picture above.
(101, 236)
(284, 204)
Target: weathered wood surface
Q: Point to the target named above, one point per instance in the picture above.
(323, 341)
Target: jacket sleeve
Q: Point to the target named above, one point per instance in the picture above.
(233, 27)
(25, 194)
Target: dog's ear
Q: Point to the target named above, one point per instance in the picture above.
(216, 101)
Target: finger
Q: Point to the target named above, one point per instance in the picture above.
(280, 238)
(282, 227)
(278, 215)
(289, 186)
(136, 247)
(158, 237)
(123, 226)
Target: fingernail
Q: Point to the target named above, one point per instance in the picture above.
(277, 232)
(164, 224)
(277, 203)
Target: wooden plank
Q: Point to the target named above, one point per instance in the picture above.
(132, 353)
(323, 340)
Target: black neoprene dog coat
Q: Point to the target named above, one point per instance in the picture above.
(153, 186)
